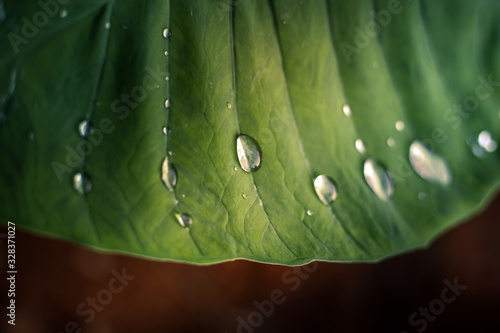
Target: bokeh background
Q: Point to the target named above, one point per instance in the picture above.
(54, 277)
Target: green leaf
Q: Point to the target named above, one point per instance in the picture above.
(280, 72)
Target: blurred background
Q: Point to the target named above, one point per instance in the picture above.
(57, 281)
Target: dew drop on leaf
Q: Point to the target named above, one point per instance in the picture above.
(167, 104)
(185, 220)
(82, 183)
(486, 142)
(400, 126)
(429, 166)
(347, 110)
(360, 146)
(325, 189)
(249, 153)
(379, 180)
(84, 128)
(63, 13)
(391, 142)
(169, 174)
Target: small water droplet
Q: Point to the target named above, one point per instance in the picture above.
(310, 213)
(185, 220)
(400, 126)
(107, 25)
(245, 196)
(165, 53)
(360, 146)
(486, 142)
(84, 128)
(82, 183)
(347, 110)
(63, 13)
(236, 169)
(170, 153)
(169, 174)
(167, 104)
(422, 196)
(249, 153)
(167, 78)
(183, 195)
(391, 142)
(429, 166)
(166, 33)
(325, 189)
(229, 106)
(379, 180)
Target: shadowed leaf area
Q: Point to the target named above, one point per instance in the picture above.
(274, 131)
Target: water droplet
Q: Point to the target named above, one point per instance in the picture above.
(84, 128)
(236, 169)
(63, 13)
(167, 78)
(82, 183)
(379, 180)
(486, 142)
(185, 220)
(229, 106)
(169, 174)
(422, 196)
(167, 104)
(245, 196)
(170, 153)
(400, 126)
(165, 130)
(166, 33)
(107, 25)
(249, 153)
(325, 189)
(360, 146)
(429, 166)
(183, 195)
(391, 142)
(166, 53)
(310, 213)
(347, 110)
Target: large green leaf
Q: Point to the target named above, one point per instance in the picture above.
(279, 71)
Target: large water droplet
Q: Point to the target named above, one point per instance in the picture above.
(379, 180)
(82, 183)
(360, 146)
(249, 153)
(185, 220)
(325, 189)
(347, 110)
(400, 126)
(84, 128)
(429, 166)
(166, 33)
(169, 174)
(486, 142)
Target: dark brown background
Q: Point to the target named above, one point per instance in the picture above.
(54, 277)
